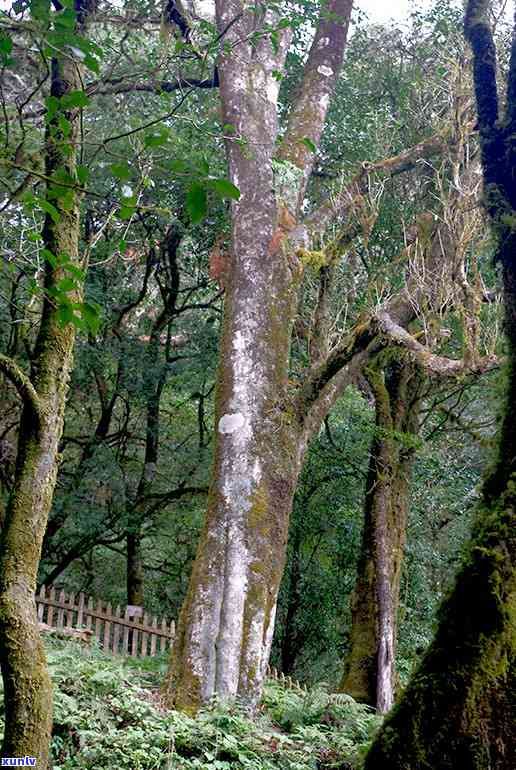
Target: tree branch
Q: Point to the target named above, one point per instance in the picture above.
(122, 86)
(343, 202)
(21, 382)
(432, 363)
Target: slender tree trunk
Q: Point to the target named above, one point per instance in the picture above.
(459, 709)
(28, 691)
(135, 576)
(155, 379)
(369, 668)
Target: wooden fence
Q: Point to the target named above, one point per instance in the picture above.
(128, 631)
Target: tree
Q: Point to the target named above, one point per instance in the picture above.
(398, 387)
(226, 624)
(460, 706)
(28, 692)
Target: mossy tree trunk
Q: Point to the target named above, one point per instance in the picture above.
(369, 666)
(27, 686)
(226, 623)
(459, 709)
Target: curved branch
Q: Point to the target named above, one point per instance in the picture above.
(21, 382)
(342, 203)
(432, 363)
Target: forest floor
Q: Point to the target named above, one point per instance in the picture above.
(108, 716)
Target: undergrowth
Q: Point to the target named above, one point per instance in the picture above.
(108, 716)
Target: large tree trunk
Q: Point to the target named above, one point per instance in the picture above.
(28, 691)
(369, 667)
(226, 624)
(459, 710)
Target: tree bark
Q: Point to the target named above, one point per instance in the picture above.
(459, 709)
(290, 641)
(369, 667)
(226, 624)
(27, 687)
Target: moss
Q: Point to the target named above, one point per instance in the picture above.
(314, 259)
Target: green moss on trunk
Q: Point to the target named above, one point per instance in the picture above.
(396, 383)
(28, 692)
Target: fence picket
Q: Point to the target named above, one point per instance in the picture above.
(70, 612)
(89, 614)
(80, 611)
(41, 606)
(153, 638)
(60, 611)
(145, 635)
(125, 646)
(107, 630)
(51, 600)
(134, 640)
(116, 631)
(98, 620)
(162, 640)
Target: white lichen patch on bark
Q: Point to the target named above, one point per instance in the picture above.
(229, 423)
(323, 69)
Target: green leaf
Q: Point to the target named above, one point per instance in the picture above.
(64, 125)
(76, 271)
(65, 285)
(6, 47)
(308, 142)
(121, 171)
(65, 314)
(75, 99)
(82, 174)
(156, 139)
(196, 202)
(91, 315)
(178, 166)
(65, 19)
(52, 103)
(50, 258)
(224, 188)
(126, 212)
(91, 63)
(40, 9)
(49, 209)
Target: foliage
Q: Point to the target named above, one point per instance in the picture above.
(108, 716)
